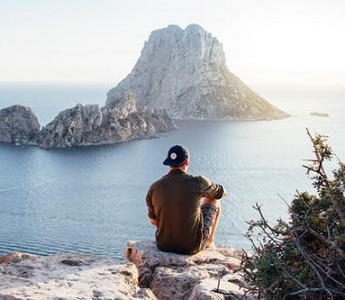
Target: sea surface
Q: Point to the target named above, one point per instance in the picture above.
(92, 200)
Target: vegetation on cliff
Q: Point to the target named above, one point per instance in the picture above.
(303, 258)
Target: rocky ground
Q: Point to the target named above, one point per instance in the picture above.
(68, 276)
(148, 274)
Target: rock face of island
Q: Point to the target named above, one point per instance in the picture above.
(91, 125)
(185, 72)
(18, 125)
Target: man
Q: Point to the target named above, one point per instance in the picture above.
(185, 208)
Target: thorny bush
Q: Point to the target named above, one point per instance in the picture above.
(303, 258)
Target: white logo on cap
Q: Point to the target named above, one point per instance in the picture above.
(173, 156)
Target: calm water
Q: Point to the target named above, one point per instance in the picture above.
(93, 199)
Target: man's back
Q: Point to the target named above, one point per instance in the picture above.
(175, 203)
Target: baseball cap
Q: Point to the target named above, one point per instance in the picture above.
(176, 156)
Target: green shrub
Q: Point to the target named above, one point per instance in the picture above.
(303, 258)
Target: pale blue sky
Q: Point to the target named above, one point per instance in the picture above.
(265, 41)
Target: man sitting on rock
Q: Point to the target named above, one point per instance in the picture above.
(185, 208)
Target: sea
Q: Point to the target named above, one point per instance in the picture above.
(92, 199)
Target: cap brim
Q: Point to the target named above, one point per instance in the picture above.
(168, 162)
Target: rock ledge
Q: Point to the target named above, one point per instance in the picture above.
(68, 276)
(149, 274)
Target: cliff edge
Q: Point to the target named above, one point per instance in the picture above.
(149, 274)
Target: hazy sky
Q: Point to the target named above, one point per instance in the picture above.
(265, 41)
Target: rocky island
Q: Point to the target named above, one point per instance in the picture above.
(82, 126)
(91, 125)
(185, 72)
(319, 114)
(18, 125)
(180, 74)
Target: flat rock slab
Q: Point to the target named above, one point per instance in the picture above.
(68, 276)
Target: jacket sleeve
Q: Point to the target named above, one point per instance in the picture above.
(151, 213)
(211, 190)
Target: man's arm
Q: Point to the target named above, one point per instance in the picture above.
(151, 213)
(213, 190)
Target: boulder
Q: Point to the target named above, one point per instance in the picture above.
(210, 274)
(18, 125)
